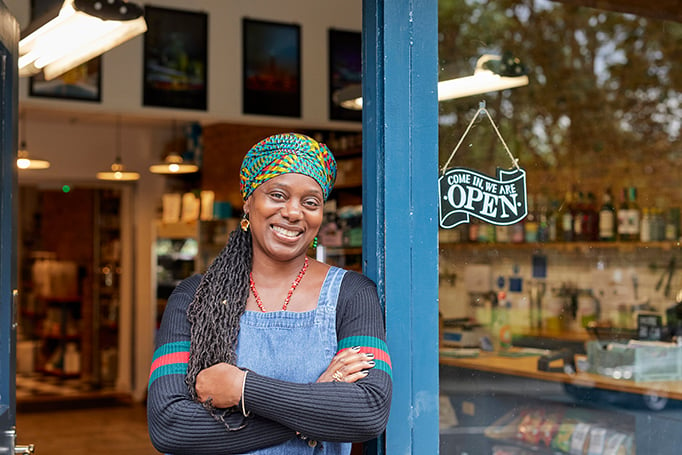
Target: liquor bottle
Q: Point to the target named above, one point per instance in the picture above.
(553, 221)
(591, 224)
(645, 230)
(565, 219)
(543, 219)
(531, 222)
(623, 229)
(579, 216)
(502, 234)
(607, 218)
(634, 214)
(672, 224)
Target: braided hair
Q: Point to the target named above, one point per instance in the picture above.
(221, 296)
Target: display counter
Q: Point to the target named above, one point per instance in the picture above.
(526, 366)
(500, 400)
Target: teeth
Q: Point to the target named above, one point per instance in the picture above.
(285, 232)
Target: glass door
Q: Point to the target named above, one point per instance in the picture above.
(560, 330)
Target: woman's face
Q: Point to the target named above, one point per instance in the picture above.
(285, 215)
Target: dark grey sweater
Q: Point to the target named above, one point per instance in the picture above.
(332, 411)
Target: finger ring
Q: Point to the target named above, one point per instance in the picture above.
(337, 376)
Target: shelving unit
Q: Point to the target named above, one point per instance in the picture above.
(183, 249)
(106, 287)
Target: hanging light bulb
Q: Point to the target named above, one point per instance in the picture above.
(117, 172)
(24, 161)
(173, 164)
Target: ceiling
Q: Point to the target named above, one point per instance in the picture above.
(658, 9)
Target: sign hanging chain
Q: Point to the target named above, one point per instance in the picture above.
(482, 110)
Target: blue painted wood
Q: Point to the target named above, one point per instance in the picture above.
(9, 35)
(400, 172)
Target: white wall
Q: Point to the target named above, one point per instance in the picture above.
(78, 138)
(122, 67)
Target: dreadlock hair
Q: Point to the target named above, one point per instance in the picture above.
(214, 313)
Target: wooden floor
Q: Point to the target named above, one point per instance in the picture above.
(111, 430)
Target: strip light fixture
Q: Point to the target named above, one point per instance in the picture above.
(492, 73)
(76, 32)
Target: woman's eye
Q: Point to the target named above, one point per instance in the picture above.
(311, 203)
(277, 195)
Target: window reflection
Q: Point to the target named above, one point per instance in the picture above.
(558, 334)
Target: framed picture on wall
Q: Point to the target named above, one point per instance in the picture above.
(83, 83)
(345, 70)
(271, 68)
(175, 58)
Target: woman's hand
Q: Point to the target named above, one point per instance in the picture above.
(348, 365)
(222, 383)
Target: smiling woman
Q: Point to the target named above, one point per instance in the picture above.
(231, 343)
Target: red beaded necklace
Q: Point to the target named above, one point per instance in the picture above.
(298, 279)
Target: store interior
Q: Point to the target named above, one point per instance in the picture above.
(97, 260)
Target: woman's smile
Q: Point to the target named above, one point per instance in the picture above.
(289, 234)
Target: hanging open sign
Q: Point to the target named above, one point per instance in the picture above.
(465, 192)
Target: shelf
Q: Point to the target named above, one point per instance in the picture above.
(564, 246)
(342, 251)
(57, 300)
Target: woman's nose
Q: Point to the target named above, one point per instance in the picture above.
(292, 210)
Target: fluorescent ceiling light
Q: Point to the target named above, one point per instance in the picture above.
(509, 73)
(75, 33)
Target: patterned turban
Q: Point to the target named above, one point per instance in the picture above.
(284, 154)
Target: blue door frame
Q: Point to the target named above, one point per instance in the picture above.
(9, 35)
(399, 220)
(400, 233)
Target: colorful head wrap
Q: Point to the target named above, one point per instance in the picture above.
(284, 154)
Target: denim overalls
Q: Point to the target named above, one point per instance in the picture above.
(274, 344)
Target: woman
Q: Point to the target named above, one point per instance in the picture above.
(270, 351)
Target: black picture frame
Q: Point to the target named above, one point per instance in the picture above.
(345, 69)
(82, 83)
(271, 68)
(175, 59)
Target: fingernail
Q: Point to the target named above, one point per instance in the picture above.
(355, 348)
(369, 355)
(365, 372)
(371, 363)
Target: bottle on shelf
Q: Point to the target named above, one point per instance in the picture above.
(591, 225)
(634, 214)
(645, 231)
(531, 223)
(579, 216)
(607, 218)
(672, 224)
(629, 216)
(553, 220)
(543, 214)
(565, 219)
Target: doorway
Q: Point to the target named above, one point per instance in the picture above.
(69, 263)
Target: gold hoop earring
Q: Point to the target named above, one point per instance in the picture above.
(244, 223)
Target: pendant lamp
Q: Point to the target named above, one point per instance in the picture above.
(117, 172)
(77, 31)
(24, 161)
(173, 163)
